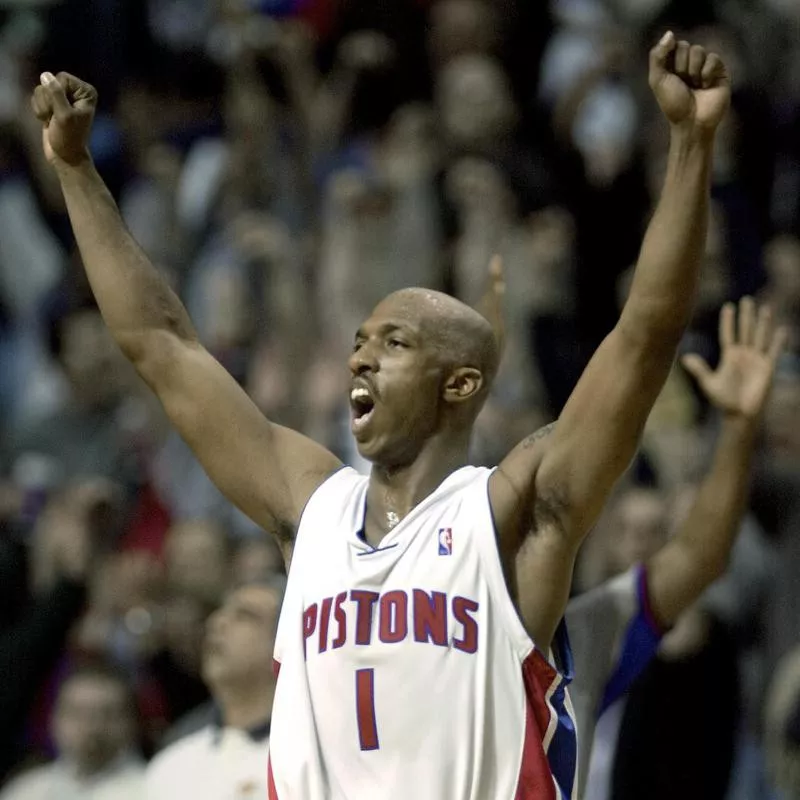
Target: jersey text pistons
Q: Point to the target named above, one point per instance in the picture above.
(360, 617)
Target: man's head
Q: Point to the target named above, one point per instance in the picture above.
(462, 27)
(640, 526)
(94, 719)
(256, 559)
(782, 433)
(782, 263)
(422, 365)
(475, 101)
(197, 560)
(240, 639)
(80, 342)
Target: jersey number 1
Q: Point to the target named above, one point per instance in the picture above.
(365, 709)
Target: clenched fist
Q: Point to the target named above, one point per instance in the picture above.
(65, 105)
(691, 85)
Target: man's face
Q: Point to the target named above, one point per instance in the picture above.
(256, 560)
(641, 527)
(475, 102)
(458, 27)
(93, 722)
(782, 261)
(197, 561)
(89, 356)
(240, 638)
(396, 384)
(782, 433)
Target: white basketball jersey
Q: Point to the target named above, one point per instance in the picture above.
(404, 670)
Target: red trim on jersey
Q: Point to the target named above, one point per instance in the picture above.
(535, 779)
(272, 793)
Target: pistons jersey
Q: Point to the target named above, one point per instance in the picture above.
(404, 671)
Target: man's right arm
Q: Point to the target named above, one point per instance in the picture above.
(265, 469)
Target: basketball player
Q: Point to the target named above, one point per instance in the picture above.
(405, 670)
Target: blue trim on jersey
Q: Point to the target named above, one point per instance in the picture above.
(562, 754)
(640, 645)
(377, 549)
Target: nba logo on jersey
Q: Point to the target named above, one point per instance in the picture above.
(445, 541)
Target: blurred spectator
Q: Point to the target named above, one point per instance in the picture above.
(56, 565)
(88, 434)
(256, 559)
(221, 751)
(783, 726)
(288, 163)
(94, 727)
(197, 561)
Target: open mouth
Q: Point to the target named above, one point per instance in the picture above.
(362, 404)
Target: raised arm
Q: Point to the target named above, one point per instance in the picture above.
(698, 553)
(557, 480)
(265, 469)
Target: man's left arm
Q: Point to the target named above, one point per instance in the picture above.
(557, 484)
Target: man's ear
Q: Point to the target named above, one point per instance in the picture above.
(463, 384)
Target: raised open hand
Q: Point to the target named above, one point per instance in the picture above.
(491, 303)
(692, 86)
(750, 348)
(65, 105)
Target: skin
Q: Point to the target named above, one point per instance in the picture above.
(738, 388)
(92, 722)
(680, 570)
(237, 656)
(429, 386)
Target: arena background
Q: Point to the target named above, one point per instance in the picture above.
(289, 163)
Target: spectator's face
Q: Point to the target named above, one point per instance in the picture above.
(782, 261)
(640, 528)
(782, 431)
(93, 722)
(183, 631)
(458, 27)
(240, 639)
(475, 185)
(475, 101)
(196, 560)
(256, 560)
(89, 356)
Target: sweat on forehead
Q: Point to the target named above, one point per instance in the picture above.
(460, 331)
(426, 306)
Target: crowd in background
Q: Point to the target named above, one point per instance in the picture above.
(289, 163)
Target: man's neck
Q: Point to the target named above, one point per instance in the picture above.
(245, 709)
(86, 772)
(394, 492)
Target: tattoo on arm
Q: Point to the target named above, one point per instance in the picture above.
(537, 435)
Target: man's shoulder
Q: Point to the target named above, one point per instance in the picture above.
(31, 785)
(184, 750)
(620, 592)
(598, 618)
(192, 722)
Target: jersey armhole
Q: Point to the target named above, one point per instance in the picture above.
(314, 496)
(493, 572)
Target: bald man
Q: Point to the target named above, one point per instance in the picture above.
(414, 660)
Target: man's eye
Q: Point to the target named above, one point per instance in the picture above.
(397, 343)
